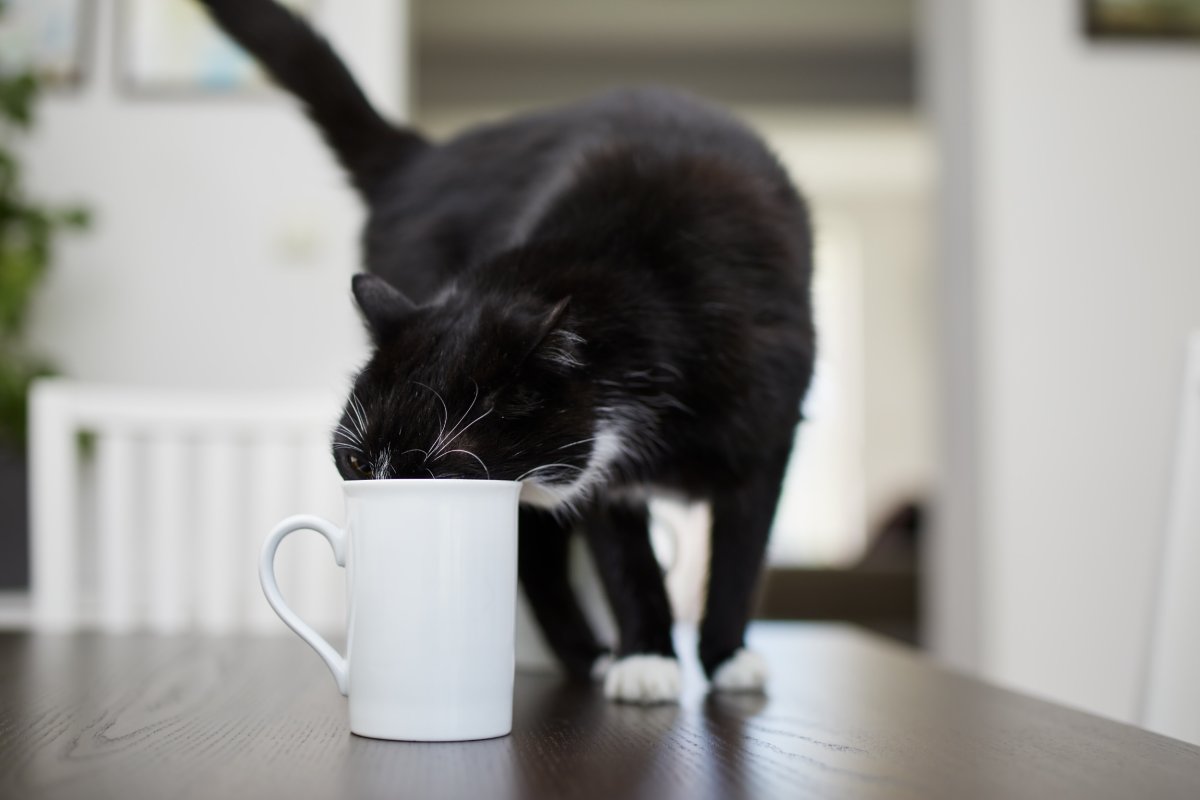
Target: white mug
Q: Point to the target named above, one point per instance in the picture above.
(431, 573)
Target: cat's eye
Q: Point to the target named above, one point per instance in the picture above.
(359, 466)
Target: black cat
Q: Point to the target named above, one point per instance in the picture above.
(604, 301)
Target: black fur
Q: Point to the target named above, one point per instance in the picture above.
(630, 270)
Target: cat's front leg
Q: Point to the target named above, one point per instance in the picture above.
(542, 566)
(741, 524)
(645, 669)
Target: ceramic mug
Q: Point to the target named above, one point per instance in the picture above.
(431, 573)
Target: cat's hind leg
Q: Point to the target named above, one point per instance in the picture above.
(741, 523)
(645, 669)
(542, 567)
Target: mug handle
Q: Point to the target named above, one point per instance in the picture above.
(266, 576)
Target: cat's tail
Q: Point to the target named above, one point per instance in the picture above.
(301, 60)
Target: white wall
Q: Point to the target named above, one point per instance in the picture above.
(1074, 174)
(225, 236)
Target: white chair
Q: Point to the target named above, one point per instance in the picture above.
(148, 507)
(1171, 690)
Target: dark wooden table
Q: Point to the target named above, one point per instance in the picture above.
(848, 716)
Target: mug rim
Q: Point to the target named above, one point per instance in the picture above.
(380, 484)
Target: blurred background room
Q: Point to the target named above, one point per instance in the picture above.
(999, 463)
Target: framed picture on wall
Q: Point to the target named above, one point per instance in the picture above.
(171, 47)
(1147, 20)
(50, 38)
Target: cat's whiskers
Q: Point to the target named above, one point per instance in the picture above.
(444, 439)
(548, 466)
(437, 445)
(359, 417)
(450, 441)
(351, 436)
(581, 441)
(486, 471)
(445, 411)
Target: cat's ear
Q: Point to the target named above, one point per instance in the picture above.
(383, 306)
(548, 350)
(555, 345)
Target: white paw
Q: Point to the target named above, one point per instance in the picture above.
(745, 671)
(643, 679)
(601, 666)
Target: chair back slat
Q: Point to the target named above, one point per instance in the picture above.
(116, 533)
(218, 474)
(167, 536)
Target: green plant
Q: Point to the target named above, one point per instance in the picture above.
(27, 234)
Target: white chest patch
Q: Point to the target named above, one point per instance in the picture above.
(607, 448)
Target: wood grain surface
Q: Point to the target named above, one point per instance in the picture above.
(848, 716)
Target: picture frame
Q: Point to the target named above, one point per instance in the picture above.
(170, 48)
(1175, 21)
(52, 39)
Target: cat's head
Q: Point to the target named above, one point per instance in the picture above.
(470, 387)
